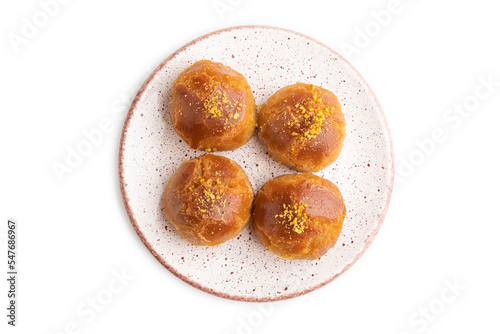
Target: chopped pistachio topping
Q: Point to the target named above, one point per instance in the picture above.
(294, 216)
(314, 114)
(218, 101)
(207, 198)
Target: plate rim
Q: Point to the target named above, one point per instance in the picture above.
(128, 209)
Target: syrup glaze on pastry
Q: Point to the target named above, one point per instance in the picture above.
(303, 127)
(208, 200)
(212, 107)
(298, 216)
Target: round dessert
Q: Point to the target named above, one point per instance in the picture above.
(208, 200)
(212, 107)
(298, 216)
(303, 127)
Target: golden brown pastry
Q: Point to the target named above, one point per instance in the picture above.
(212, 107)
(303, 127)
(298, 216)
(208, 200)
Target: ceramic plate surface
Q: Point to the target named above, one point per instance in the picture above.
(241, 269)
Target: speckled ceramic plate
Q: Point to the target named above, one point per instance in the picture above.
(241, 269)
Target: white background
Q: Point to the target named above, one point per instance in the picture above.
(91, 56)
